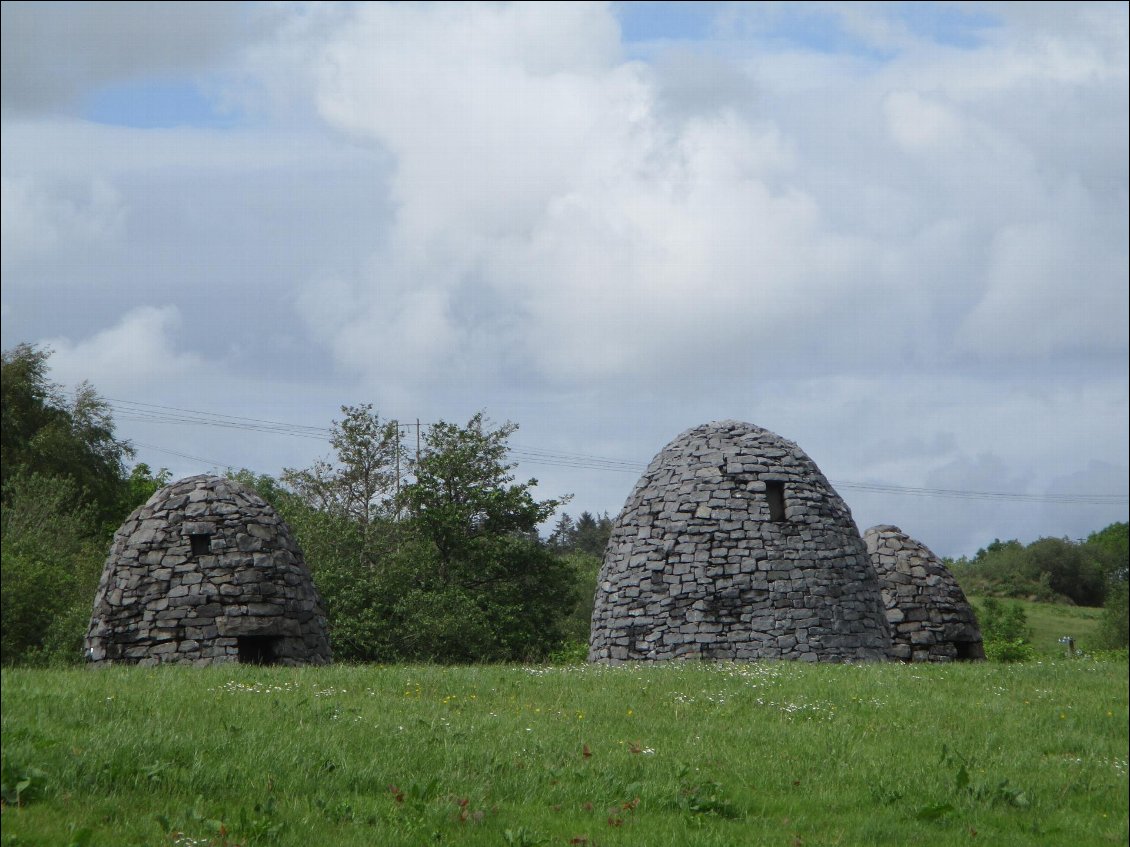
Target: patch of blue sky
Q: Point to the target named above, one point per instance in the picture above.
(818, 28)
(943, 23)
(809, 26)
(672, 21)
(161, 103)
(720, 26)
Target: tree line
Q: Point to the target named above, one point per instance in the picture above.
(443, 564)
(1088, 572)
(64, 489)
(446, 565)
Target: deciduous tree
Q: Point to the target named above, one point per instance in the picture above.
(42, 432)
(360, 482)
(476, 535)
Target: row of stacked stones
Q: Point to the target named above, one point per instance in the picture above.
(733, 545)
(206, 572)
(930, 618)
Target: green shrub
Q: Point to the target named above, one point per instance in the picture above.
(52, 556)
(570, 653)
(1008, 650)
(1005, 630)
(1115, 629)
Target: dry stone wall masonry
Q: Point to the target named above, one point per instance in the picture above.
(733, 545)
(930, 619)
(206, 572)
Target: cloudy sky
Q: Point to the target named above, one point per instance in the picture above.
(895, 233)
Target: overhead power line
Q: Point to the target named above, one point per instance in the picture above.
(211, 462)
(535, 455)
(882, 488)
(153, 413)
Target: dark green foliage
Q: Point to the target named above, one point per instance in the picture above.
(582, 542)
(1109, 549)
(142, 484)
(42, 433)
(588, 534)
(564, 531)
(463, 494)
(1089, 573)
(475, 531)
(1004, 628)
(29, 404)
(342, 512)
(586, 569)
(1002, 569)
(593, 533)
(20, 785)
(52, 556)
(1069, 571)
(1003, 620)
(1115, 631)
(449, 570)
(1049, 569)
(64, 492)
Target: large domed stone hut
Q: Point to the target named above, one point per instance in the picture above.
(733, 545)
(206, 572)
(930, 619)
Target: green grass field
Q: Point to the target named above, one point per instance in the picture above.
(1052, 621)
(1048, 623)
(695, 754)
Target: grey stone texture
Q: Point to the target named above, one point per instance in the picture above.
(206, 572)
(930, 619)
(703, 563)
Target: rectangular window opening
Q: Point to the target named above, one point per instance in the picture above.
(201, 543)
(257, 649)
(775, 495)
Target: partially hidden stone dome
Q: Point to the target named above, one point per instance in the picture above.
(931, 621)
(733, 545)
(206, 572)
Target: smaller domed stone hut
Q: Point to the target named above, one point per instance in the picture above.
(733, 545)
(931, 621)
(206, 572)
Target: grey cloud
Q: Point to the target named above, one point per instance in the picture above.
(1084, 516)
(227, 229)
(53, 53)
(607, 252)
(694, 82)
(953, 526)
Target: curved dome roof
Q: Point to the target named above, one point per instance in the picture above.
(733, 545)
(930, 619)
(206, 572)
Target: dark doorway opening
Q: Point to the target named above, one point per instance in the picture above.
(775, 495)
(969, 651)
(257, 649)
(201, 543)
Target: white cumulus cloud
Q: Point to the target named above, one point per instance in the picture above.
(122, 360)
